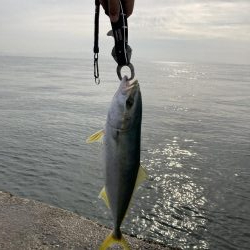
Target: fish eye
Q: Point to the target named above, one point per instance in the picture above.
(129, 102)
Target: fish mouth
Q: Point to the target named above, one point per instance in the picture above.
(130, 86)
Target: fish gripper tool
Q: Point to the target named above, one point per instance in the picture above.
(121, 51)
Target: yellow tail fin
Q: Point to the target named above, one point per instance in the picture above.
(110, 240)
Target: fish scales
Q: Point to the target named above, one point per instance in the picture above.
(122, 145)
(122, 160)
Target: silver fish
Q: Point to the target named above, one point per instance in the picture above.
(122, 140)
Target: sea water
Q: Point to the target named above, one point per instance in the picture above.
(195, 145)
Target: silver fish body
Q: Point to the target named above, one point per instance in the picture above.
(122, 143)
(122, 149)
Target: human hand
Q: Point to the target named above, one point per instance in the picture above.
(112, 8)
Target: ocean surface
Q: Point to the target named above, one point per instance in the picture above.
(195, 145)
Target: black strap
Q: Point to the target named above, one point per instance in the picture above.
(96, 38)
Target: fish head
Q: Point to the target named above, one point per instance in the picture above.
(126, 107)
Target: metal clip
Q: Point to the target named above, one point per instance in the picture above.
(96, 69)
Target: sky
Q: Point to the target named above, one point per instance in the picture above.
(162, 30)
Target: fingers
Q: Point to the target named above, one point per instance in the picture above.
(128, 6)
(112, 8)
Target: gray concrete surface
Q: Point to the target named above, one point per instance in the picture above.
(28, 224)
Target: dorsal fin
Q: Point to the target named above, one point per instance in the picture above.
(141, 177)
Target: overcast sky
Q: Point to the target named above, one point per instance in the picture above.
(169, 30)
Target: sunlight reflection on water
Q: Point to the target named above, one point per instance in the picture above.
(174, 214)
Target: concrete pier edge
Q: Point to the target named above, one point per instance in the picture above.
(29, 224)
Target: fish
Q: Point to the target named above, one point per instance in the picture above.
(122, 145)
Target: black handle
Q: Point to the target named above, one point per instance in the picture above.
(120, 33)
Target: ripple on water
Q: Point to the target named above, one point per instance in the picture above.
(174, 214)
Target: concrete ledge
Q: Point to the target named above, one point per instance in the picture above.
(28, 224)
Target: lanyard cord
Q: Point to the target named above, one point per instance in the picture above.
(96, 46)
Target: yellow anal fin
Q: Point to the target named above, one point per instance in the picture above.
(141, 177)
(110, 240)
(96, 136)
(104, 196)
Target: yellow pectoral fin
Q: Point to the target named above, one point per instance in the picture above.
(104, 196)
(110, 240)
(141, 177)
(96, 136)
